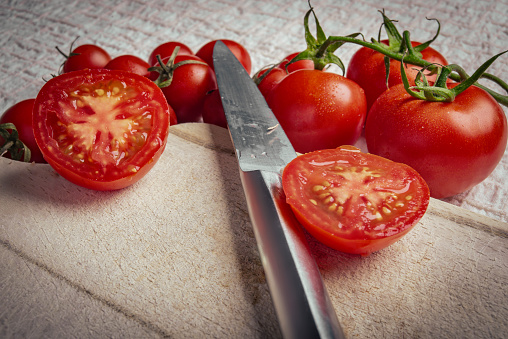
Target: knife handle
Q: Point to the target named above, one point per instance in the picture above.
(300, 298)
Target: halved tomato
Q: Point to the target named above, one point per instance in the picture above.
(352, 201)
(101, 129)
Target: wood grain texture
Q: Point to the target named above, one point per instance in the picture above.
(175, 255)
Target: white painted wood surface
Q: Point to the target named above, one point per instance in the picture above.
(175, 255)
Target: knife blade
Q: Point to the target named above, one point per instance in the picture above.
(300, 299)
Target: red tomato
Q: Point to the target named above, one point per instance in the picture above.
(188, 88)
(354, 202)
(241, 53)
(129, 63)
(21, 116)
(276, 74)
(166, 49)
(101, 129)
(318, 109)
(213, 111)
(86, 56)
(302, 64)
(269, 81)
(367, 69)
(454, 146)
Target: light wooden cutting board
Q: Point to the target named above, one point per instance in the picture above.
(175, 255)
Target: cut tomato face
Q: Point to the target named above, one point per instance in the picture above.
(101, 129)
(354, 202)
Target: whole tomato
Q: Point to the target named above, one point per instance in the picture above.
(241, 53)
(189, 86)
(20, 115)
(166, 49)
(129, 63)
(367, 68)
(453, 145)
(86, 56)
(213, 111)
(267, 81)
(318, 109)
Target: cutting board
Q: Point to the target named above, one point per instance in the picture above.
(175, 255)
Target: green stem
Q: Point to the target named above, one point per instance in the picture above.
(414, 60)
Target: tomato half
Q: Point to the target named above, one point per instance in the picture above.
(86, 56)
(318, 109)
(454, 145)
(354, 202)
(301, 64)
(101, 129)
(367, 68)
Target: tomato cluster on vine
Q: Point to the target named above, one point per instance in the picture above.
(102, 122)
(411, 106)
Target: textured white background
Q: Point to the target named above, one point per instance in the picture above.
(472, 31)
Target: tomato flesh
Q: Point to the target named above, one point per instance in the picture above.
(352, 201)
(101, 129)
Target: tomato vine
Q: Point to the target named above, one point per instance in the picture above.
(321, 50)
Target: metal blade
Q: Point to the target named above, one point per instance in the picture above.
(260, 142)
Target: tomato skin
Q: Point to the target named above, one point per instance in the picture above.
(318, 109)
(454, 146)
(20, 114)
(301, 64)
(88, 56)
(367, 69)
(354, 202)
(129, 63)
(187, 92)
(241, 53)
(166, 49)
(270, 80)
(101, 129)
(213, 111)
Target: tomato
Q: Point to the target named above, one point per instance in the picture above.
(101, 129)
(354, 202)
(367, 69)
(318, 109)
(454, 145)
(213, 111)
(21, 116)
(266, 83)
(129, 63)
(301, 64)
(241, 53)
(188, 88)
(86, 56)
(166, 49)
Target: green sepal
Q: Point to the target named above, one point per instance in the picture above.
(439, 91)
(319, 49)
(166, 70)
(12, 144)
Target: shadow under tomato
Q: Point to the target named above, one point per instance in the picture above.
(31, 183)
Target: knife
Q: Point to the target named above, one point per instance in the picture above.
(298, 293)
